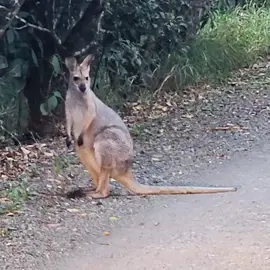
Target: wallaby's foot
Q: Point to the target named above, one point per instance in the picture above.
(91, 189)
(80, 140)
(68, 142)
(98, 195)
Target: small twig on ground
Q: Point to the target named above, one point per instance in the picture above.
(164, 81)
(10, 134)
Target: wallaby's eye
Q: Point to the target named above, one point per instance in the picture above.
(76, 78)
(86, 78)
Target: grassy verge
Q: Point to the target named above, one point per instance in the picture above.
(238, 39)
(13, 198)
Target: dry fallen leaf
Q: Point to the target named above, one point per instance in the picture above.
(25, 151)
(47, 154)
(138, 107)
(53, 225)
(73, 210)
(4, 232)
(189, 116)
(10, 244)
(113, 218)
(4, 199)
(4, 176)
(164, 109)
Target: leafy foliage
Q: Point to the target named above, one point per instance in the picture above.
(17, 58)
(152, 58)
(50, 104)
(142, 34)
(136, 38)
(236, 39)
(142, 46)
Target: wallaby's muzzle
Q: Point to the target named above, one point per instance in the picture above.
(82, 87)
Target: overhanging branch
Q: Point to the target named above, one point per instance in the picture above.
(9, 16)
(37, 27)
(87, 47)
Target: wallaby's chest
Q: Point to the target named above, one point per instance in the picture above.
(79, 113)
(78, 117)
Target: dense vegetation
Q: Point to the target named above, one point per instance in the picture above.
(139, 46)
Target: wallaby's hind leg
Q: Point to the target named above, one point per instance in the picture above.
(88, 160)
(102, 190)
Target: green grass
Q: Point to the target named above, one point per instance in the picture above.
(62, 162)
(138, 130)
(15, 196)
(238, 39)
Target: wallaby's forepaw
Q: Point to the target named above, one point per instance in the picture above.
(80, 140)
(68, 142)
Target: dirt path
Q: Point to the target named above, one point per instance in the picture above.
(228, 231)
(170, 150)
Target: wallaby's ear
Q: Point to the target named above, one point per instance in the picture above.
(71, 63)
(87, 61)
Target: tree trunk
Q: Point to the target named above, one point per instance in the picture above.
(38, 82)
(35, 91)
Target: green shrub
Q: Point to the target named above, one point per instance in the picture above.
(134, 39)
(144, 46)
(237, 39)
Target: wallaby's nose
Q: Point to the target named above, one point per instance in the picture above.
(82, 87)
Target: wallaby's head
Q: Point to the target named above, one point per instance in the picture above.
(79, 73)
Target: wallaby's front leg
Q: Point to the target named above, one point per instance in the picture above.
(80, 139)
(68, 128)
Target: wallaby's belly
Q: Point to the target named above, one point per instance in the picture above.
(113, 147)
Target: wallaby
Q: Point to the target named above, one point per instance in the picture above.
(102, 140)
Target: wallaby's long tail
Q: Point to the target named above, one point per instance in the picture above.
(138, 188)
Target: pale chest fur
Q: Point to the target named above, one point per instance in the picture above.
(78, 117)
(79, 111)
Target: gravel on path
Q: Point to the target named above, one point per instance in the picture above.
(197, 135)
